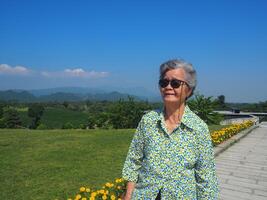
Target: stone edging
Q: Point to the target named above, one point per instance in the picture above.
(225, 145)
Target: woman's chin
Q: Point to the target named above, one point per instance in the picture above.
(170, 99)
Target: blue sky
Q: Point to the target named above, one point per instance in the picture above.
(104, 44)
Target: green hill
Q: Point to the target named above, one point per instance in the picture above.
(23, 96)
(17, 95)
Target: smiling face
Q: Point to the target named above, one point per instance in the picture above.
(175, 95)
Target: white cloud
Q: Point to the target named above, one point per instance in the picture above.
(46, 74)
(17, 70)
(81, 73)
(77, 72)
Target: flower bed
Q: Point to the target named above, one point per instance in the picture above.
(226, 133)
(114, 191)
(109, 191)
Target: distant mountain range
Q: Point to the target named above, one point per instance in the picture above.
(72, 94)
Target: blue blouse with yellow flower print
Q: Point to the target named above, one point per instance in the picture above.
(179, 164)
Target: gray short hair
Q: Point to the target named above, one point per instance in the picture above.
(190, 72)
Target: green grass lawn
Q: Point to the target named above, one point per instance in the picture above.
(55, 163)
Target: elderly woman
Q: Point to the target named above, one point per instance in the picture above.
(171, 155)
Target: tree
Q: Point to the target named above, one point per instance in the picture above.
(221, 99)
(35, 111)
(127, 113)
(102, 120)
(91, 122)
(1, 110)
(204, 108)
(65, 104)
(2, 122)
(221, 102)
(11, 118)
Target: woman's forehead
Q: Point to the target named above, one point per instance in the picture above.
(178, 73)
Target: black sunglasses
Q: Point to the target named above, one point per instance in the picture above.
(175, 83)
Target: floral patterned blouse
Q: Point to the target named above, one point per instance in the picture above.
(180, 164)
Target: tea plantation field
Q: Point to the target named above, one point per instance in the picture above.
(54, 118)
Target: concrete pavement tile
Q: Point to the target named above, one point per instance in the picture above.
(247, 185)
(261, 193)
(241, 168)
(239, 179)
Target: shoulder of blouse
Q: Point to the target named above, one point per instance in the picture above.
(151, 116)
(195, 121)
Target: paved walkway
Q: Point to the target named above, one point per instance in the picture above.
(242, 168)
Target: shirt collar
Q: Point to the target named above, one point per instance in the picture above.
(187, 117)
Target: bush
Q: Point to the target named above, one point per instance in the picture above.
(42, 127)
(82, 126)
(67, 125)
(11, 118)
(91, 122)
(204, 107)
(2, 123)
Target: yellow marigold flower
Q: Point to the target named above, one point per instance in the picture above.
(84, 198)
(107, 184)
(119, 187)
(93, 194)
(119, 198)
(118, 180)
(112, 197)
(104, 197)
(78, 196)
(82, 189)
(92, 198)
(101, 191)
(87, 190)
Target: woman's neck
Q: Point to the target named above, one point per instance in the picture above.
(173, 112)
